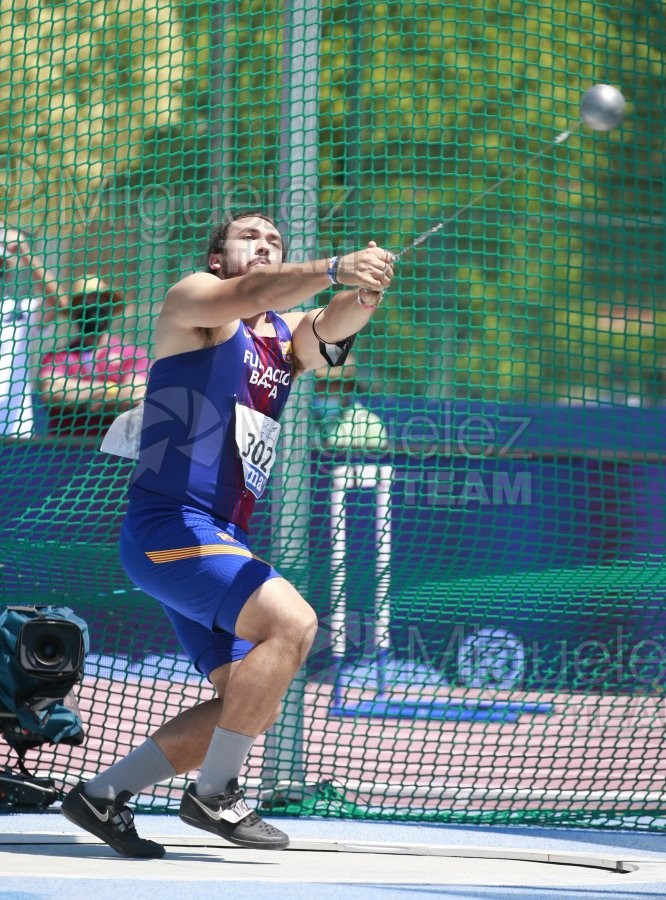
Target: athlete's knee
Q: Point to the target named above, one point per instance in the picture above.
(298, 632)
(294, 637)
(277, 612)
(309, 626)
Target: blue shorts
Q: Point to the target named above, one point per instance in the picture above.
(202, 571)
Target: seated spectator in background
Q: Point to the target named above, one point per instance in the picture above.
(345, 423)
(97, 376)
(26, 327)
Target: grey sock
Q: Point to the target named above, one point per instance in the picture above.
(140, 769)
(226, 756)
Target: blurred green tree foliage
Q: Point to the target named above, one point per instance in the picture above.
(83, 85)
(531, 293)
(424, 107)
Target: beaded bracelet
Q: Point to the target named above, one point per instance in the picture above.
(332, 270)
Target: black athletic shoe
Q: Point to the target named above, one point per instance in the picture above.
(229, 816)
(110, 821)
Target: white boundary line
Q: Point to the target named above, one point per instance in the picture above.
(558, 857)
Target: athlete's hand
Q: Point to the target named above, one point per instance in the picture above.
(371, 268)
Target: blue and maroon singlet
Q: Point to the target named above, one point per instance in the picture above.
(195, 407)
(208, 444)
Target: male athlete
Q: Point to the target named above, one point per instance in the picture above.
(225, 357)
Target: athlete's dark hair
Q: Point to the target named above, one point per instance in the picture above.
(218, 238)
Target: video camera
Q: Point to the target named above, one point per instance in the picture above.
(42, 657)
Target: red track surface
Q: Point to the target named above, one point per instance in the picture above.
(590, 743)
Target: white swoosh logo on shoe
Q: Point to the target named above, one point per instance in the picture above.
(103, 817)
(234, 815)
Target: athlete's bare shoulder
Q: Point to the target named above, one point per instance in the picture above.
(174, 333)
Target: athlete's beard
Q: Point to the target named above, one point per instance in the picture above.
(224, 269)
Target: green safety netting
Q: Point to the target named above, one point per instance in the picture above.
(475, 504)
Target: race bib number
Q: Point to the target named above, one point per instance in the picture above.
(256, 438)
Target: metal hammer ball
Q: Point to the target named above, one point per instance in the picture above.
(602, 107)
